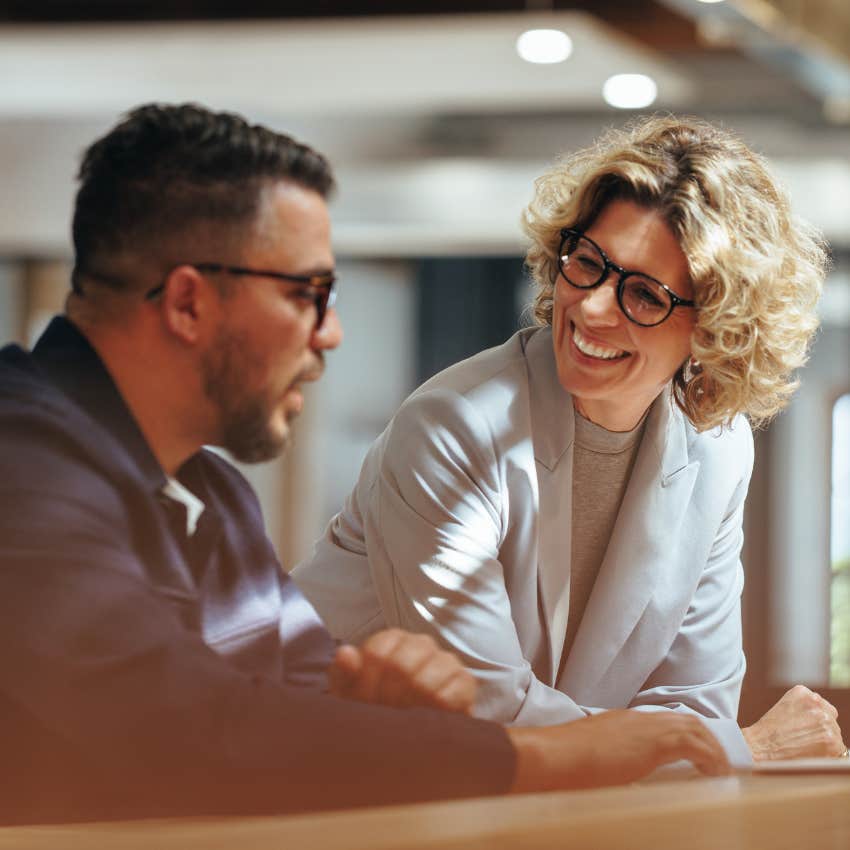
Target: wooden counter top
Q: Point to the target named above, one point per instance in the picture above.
(747, 811)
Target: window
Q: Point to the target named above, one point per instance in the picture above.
(797, 530)
(839, 548)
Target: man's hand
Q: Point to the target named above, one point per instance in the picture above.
(802, 724)
(396, 668)
(612, 748)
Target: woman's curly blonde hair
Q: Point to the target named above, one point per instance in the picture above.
(757, 271)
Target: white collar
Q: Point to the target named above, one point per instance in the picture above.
(194, 506)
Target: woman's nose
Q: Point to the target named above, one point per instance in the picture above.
(599, 304)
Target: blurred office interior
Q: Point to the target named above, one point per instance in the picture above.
(437, 128)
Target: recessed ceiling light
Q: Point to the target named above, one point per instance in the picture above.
(544, 47)
(629, 91)
(710, 1)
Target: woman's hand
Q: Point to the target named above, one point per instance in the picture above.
(802, 724)
(612, 748)
(400, 669)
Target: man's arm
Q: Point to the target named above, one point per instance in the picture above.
(125, 711)
(394, 667)
(103, 665)
(613, 748)
(171, 728)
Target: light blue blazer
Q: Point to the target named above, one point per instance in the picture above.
(460, 524)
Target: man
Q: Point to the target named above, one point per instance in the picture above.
(155, 659)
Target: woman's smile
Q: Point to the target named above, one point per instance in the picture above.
(595, 350)
(612, 366)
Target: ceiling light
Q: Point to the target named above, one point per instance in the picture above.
(710, 1)
(544, 47)
(629, 91)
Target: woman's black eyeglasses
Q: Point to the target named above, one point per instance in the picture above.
(319, 288)
(643, 299)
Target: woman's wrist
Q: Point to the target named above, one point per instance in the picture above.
(760, 749)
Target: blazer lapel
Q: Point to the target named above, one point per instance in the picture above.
(639, 555)
(553, 428)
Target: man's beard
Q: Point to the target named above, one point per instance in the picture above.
(244, 420)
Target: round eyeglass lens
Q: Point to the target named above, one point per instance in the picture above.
(645, 300)
(581, 263)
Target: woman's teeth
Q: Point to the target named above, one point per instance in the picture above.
(591, 349)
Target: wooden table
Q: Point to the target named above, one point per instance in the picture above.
(770, 812)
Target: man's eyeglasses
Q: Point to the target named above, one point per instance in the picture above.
(644, 300)
(319, 288)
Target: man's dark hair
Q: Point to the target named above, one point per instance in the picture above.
(168, 168)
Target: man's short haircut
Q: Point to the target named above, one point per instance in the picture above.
(165, 170)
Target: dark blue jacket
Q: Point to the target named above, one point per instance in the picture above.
(145, 673)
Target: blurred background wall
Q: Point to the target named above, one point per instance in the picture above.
(438, 127)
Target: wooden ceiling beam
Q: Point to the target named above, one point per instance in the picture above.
(823, 22)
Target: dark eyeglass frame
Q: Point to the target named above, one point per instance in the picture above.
(320, 288)
(608, 266)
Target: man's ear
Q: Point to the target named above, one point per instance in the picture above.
(186, 303)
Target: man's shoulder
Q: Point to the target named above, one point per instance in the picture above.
(20, 377)
(28, 399)
(46, 436)
(58, 465)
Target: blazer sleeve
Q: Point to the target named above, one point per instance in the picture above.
(433, 524)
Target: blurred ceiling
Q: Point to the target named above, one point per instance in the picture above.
(436, 125)
(637, 14)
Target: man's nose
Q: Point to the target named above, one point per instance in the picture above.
(329, 335)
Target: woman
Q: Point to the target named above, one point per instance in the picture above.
(565, 511)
